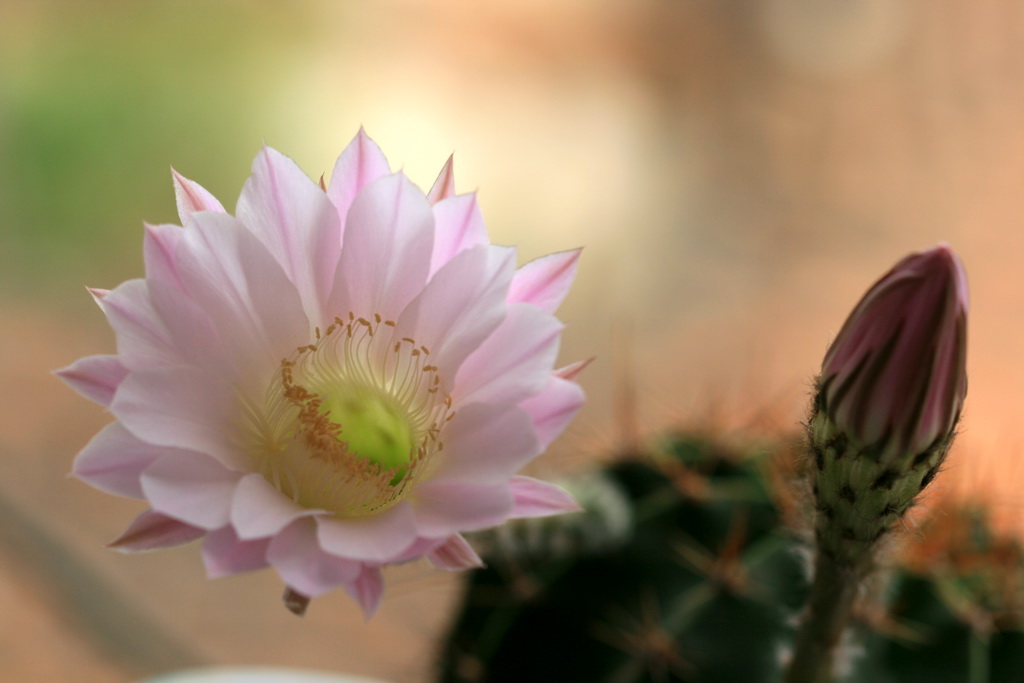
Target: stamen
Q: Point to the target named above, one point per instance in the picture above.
(350, 421)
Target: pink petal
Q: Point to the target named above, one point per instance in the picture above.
(158, 250)
(535, 498)
(98, 295)
(444, 507)
(379, 538)
(486, 443)
(360, 164)
(545, 281)
(114, 460)
(455, 555)
(243, 290)
(302, 564)
(224, 554)
(153, 531)
(514, 362)
(444, 186)
(296, 222)
(190, 197)
(367, 589)
(260, 510)
(95, 377)
(572, 371)
(460, 307)
(179, 407)
(143, 340)
(189, 329)
(385, 258)
(553, 408)
(421, 547)
(191, 487)
(459, 226)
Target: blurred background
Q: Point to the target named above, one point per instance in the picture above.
(739, 172)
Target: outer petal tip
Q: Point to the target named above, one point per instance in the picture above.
(455, 555)
(444, 186)
(535, 498)
(191, 197)
(544, 282)
(98, 295)
(367, 590)
(152, 531)
(95, 377)
(572, 371)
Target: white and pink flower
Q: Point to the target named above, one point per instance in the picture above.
(330, 381)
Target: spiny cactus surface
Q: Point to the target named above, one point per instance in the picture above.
(682, 569)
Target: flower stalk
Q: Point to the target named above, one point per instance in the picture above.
(883, 419)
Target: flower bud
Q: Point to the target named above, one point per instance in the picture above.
(891, 390)
(889, 396)
(894, 379)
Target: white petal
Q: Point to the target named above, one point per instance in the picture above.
(444, 185)
(455, 555)
(535, 498)
(545, 281)
(224, 554)
(460, 307)
(379, 538)
(143, 340)
(572, 370)
(445, 507)
(114, 460)
(385, 258)
(95, 377)
(297, 556)
(190, 197)
(297, 223)
(486, 442)
(159, 247)
(190, 330)
(243, 290)
(192, 488)
(367, 589)
(259, 510)
(360, 164)
(553, 408)
(514, 362)
(459, 226)
(179, 407)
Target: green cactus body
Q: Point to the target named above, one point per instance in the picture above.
(681, 569)
(702, 588)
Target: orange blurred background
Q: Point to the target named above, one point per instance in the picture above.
(738, 173)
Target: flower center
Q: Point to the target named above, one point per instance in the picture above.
(372, 426)
(351, 421)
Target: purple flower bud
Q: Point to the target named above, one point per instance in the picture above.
(895, 377)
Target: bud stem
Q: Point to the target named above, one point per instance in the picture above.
(835, 587)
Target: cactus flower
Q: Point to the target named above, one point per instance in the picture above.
(895, 377)
(332, 380)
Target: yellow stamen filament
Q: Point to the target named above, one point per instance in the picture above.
(351, 420)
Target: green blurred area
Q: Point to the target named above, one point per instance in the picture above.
(98, 99)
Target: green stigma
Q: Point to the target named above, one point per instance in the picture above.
(350, 422)
(373, 427)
